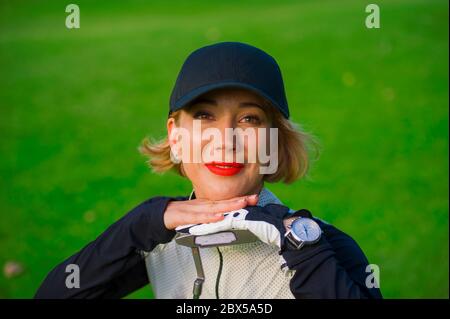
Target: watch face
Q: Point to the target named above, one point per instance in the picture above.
(306, 229)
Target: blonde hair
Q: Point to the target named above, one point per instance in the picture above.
(294, 151)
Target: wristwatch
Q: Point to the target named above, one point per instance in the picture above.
(302, 231)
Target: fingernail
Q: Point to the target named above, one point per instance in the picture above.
(252, 196)
(219, 215)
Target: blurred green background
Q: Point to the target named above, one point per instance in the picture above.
(75, 104)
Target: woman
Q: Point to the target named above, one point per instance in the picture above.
(222, 87)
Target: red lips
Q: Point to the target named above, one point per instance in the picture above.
(224, 169)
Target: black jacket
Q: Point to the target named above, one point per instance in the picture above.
(112, 266)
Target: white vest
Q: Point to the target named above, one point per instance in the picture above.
(249, 271)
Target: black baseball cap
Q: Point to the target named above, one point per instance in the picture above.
(229, 64)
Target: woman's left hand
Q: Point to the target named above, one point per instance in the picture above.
(264, 222)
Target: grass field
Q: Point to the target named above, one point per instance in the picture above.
(75, 104)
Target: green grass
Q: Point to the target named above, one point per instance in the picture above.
(74, 105)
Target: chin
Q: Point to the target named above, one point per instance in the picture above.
(224, 190)
(215, 187)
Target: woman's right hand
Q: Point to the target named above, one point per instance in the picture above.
(201, 211)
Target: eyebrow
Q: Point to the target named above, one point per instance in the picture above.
(250, 104)
(213, 102)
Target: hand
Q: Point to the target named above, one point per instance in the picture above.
(267, 223)
(200, 211)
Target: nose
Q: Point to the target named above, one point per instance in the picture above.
(225, 143)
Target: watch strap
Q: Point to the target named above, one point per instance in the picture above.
(302, 213)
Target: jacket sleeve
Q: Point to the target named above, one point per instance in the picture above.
(333, 268)
(112, 266)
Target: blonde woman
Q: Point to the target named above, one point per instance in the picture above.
(223, 88)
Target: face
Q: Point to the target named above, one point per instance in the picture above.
(214, 176)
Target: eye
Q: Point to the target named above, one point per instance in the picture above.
(203, 115)
(251, 119)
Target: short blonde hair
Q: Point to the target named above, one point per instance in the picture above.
(294, 151)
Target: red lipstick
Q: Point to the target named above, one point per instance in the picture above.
(224, 169)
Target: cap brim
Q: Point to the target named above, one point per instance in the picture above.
(192, 95)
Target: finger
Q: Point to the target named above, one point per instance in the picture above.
(252, 200)
(220, 206)
(202, 218)
(207, 201)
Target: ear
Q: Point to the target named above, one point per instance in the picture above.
(173, 140)
(170, 131)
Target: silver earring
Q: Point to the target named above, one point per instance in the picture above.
(174, 157)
